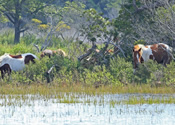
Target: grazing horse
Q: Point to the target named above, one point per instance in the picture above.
(15, 62)
(50, 53)
(161, 53)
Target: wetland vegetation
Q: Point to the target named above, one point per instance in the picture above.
(94, 83)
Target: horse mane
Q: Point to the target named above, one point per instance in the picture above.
(16, 56)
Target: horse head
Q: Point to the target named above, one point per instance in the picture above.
(47, 52)
(137, 55)
(29, 57)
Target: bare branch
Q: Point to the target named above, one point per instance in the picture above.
(145, 7)
(118, 48)
(88, 53)
(37, 47)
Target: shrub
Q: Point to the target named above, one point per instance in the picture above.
(99, 76)
(22, 48)
(148, 72)
(7, 37)
(169, 74)
(32, 72)
(28, 39)
(122, 70)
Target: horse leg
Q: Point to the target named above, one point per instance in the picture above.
(2, 73)
(9, 71)
(165, 61)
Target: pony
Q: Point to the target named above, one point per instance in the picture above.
(160, 52)
(10, 63)
(50, 53)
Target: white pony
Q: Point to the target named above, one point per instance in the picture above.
(15, 62)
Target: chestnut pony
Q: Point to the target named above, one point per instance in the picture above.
(161, 53)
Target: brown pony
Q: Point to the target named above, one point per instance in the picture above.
(50, 53)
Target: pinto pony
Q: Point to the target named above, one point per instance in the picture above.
(161, 53)
(10, 63)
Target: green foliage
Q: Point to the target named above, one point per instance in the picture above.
(71, 13)
(7, 37)
(99, 76)
(21, 48)
(3, 19)
(128, 20)
(16, 12)
(165, 14)
(139, 42)
(149, 72)
(122, 70)
(32, 72)
(58, 43)
(28, 39)
(96, 26)
(15, 49)
(169, 74)
(67, 70)
(156, 74)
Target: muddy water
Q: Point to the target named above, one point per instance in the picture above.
(42, 111)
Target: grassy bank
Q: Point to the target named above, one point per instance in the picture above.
(43, 89)
(26, 94)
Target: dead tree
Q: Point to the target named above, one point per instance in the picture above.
(101, 57)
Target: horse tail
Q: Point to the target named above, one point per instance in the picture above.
(170, 51)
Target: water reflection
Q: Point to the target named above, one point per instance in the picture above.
(41, 111)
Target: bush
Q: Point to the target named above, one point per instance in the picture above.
(149, 72)
(28, 39)
(169, 74)
(7, 37)
(37, 72)
(122, 70)
(99, 76)
(32, 72)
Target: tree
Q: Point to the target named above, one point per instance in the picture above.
(59, 19)
(17, 11)
(149, 20)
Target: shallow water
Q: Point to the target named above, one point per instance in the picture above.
(42, 111)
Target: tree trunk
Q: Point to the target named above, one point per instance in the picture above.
(17, 21)
(17, 34)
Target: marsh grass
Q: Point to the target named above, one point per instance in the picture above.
(26, 94)
(48, 89)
